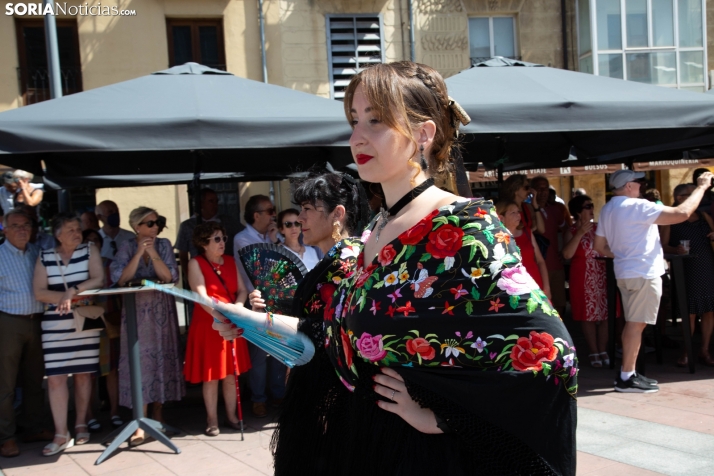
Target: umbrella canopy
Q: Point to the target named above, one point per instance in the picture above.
(530, 116)
(177, 121)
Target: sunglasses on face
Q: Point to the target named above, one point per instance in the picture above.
(290, 224)
(269, 211)
(160, 222)
(218, 239)
(589, 206)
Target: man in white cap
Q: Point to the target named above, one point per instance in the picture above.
(628, 233)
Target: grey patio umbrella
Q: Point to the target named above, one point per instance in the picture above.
(527, 116)
(164, 127)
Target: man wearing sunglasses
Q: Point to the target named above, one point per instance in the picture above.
(209, 212)
(261, 228)
(628, 233)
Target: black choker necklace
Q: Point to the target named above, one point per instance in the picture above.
(385, 215)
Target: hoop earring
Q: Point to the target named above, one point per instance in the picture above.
(336, 231)
(423, 163)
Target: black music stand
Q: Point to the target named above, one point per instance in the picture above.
(151, 427)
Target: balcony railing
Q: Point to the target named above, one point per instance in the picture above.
(35, 84)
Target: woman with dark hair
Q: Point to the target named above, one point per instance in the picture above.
(442, 348)
(209, 358)
(698, 230)
(290, 227)
(516, 188)
(588, 279)
(61, 273)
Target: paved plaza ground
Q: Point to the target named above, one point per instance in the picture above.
(670, 432)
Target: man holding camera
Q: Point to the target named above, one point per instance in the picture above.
(628, 233)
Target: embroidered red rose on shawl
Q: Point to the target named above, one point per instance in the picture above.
(415, 234)
(422, 347)
(444, 242)
(529, 353)
(386, 255)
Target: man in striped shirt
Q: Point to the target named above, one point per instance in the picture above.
(20, 335)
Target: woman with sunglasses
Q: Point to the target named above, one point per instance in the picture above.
(149, 257)
(588, 280)
(209, 358)
(290, 228)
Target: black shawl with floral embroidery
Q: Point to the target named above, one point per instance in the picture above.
(448, 305)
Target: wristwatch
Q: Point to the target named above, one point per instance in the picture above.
(75, 288)
(536, 209)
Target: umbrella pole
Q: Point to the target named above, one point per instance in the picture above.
(239, 406)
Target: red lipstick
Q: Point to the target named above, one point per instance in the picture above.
(363, 158)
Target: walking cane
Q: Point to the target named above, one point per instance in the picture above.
(239, 406)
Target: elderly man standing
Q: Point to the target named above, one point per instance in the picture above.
(557, 219)
(628, 233)
(20, 334)
(108, 213)
(261, 228)
(209, 212)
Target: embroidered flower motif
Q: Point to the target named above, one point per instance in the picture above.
(390, 311)
(568, 360)
(450, 347)
(375, 307)
(480, 213)
(516, 281)
(396, 294)
(479, 345)
(496, 305)
(503, 237)
(386, 255)
(444, 241)
(371, 347)
(364, 275)
(529, 353)
(351, 251)
(346, 347)
(421, 346)
(448, 263)
(448, 309)
(365, 235)
(406, 309)
(403, 277)
(415, 234)
(458, 292)
(391, 278)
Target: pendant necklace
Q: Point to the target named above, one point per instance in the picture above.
(385, 215)
(216, 267)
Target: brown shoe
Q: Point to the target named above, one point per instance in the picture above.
(260, 409)
(44, 435)
(9, 449)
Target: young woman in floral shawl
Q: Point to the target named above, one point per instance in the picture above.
(432, 318)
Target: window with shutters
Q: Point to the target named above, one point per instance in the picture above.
(353, 42)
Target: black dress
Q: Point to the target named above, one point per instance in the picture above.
(449, 307)
(699, 271)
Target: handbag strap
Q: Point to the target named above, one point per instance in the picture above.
(60, 264)
(234, 295)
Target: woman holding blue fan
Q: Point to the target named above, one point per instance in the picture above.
(436, 354)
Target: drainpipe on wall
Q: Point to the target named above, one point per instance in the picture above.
(564, 24)
(264, 61)
(411, 31)
(262, 40)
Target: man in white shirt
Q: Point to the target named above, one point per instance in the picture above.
(261, 228)
(628, 233)
(108, 214)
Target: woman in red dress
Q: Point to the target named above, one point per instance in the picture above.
(588, 281)
(510, 215)
(209, 357)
